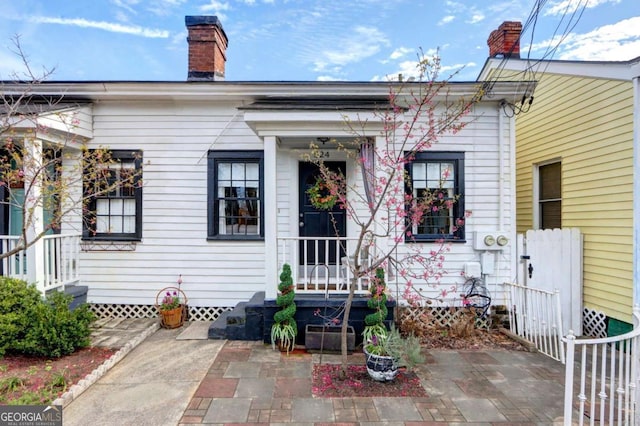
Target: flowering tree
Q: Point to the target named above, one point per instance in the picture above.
(47, 171)
(388, 209)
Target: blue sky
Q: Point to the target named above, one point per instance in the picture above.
(302, 40)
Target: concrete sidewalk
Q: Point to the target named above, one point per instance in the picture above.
(152, 385)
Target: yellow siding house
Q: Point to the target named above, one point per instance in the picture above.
(575, 163)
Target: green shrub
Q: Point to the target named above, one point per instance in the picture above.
(17, 301)
(284, 328)
(41, 327)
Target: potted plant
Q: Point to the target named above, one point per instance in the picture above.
(384, 354)
(385, 351)
(172, 305)
(284, 329)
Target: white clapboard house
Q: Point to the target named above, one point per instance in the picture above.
(223, 202)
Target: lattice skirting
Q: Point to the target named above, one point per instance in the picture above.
(594, 323)
(438, 317)
(104, 310)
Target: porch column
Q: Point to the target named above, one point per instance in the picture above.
(383, 243)
(34, 212)
(270, 218)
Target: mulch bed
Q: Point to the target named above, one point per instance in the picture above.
(326, 382)
(35, 373)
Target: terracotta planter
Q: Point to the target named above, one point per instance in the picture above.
(381, 368)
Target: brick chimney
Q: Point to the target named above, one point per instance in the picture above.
(505, 41)
(207, 48)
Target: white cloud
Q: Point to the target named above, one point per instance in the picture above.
(328, 78)
(454, 5)
(447, 19)
(446, 71)
(400, 52)
(559, 7)
(178, 41)
(126, 5)
(476, 17)
(362, 43)
(615, 42)
(101, 25)
(121, 16)
(165, 7)
(215, 6)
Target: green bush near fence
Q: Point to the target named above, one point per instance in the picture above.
(37, 326)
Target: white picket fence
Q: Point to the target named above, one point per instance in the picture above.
(537, 317)
(601, 379)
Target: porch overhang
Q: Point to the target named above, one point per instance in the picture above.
(311, 117)
(69, 125)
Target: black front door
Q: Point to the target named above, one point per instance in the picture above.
(319, 223)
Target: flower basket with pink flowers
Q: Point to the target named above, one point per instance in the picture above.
(172, 306)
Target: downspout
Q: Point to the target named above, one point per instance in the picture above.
(636, 190)
(636, 207)
(500, 168)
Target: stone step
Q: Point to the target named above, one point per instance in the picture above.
(243, 322)
(218, 328)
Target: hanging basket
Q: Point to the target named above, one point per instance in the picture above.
(172, 318)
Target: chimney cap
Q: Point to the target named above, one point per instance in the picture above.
(202, 20)
(194, 21)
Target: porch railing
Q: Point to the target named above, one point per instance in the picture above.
(51, 263)
(14, 266)
(323, 264)
(601, 378)
(536, 316)
(61, 260)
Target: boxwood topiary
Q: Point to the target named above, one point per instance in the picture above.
(374, 322)
(284, 328)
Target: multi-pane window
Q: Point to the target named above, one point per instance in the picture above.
(550, 196)
(235, 195)
(436, 182)
(114, 207)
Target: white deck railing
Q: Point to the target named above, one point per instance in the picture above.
(52, 262)
(601, 378)
(61, 260)
(14, 266)
(536, 316)
(322, 265)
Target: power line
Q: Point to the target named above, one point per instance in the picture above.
(531, 72)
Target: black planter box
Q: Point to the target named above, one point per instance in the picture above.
(316, 309)
(326, 338)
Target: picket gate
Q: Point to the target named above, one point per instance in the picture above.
(551, 260)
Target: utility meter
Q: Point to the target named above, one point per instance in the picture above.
(489, 240)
